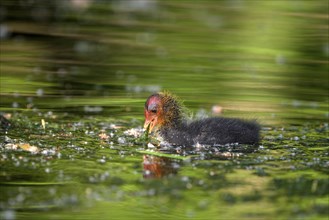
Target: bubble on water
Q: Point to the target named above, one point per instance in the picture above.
(15, 105)
(73, 199)
(102, 160)
(175, 165)
(136, 89)
(316, 159)
(201, 182)
(92, 179)
(4, 31)
(52, 191)
(280, 59)
(40, 92)
(142, 88)
(82, 47)
(60, 174)
(49, 114)
(95, 109)
(121, 140)
(152, 88)
(120, 194)
(8, 215)
(201, 114)
(147, 172)
(48, 152)
(151, 192)
(29, 99)
(104, 176)
(20, 198)
(203, 204)
(296, 103)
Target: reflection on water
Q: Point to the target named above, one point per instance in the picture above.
(157, 167)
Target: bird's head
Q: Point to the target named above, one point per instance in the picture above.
(161, 110)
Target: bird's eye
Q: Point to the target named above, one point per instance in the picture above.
(154, 111)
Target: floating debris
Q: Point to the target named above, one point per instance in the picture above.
(43, 123)
(121, 140)
(135, 132)
(23, 146)
(28, 147)
(103, 136)
(11, 146)
(150, 145)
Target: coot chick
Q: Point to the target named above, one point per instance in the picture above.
(165, 114)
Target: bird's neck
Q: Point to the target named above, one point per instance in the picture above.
(177, 123)
(173, 111)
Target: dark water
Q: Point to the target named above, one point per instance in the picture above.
(74, 79)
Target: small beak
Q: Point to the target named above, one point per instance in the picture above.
(149, 125)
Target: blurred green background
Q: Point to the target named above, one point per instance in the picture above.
(103, 56)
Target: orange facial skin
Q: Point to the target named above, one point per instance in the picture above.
(153, 112)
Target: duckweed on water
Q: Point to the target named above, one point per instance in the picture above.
(81, 162)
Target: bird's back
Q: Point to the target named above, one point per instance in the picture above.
(212, 131)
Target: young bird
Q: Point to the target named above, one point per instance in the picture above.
(164, 114)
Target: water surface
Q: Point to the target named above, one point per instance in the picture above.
(74, 79)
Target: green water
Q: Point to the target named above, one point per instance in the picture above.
(75, 76)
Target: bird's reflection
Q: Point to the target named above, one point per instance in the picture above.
(157, 167)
